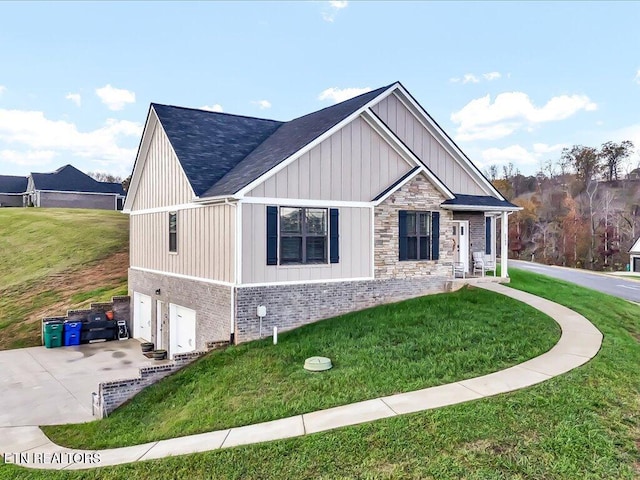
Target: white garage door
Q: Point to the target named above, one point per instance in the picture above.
(141, 316)
(182, 329)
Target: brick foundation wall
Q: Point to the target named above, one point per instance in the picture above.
(291, 306)
(418, 194)
(113, 394)
(211, 302)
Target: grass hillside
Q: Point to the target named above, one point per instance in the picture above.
(52, 260)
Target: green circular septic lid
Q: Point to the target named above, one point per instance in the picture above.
(317, 364)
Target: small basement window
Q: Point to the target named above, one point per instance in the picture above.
(173, 232)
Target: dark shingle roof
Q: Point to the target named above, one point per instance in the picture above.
(222, 153)
(210, 144)
(70, 179)
(12, 184)
(287, 140)
(478, 201)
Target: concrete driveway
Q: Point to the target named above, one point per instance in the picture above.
(48, 386)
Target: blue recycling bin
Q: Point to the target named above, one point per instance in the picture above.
(72, 333)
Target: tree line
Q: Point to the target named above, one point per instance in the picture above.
(581, 210)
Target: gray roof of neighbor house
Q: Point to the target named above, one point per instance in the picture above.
(12, 184)
(222, 153)
(70, 179)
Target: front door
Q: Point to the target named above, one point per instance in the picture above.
(182, 329)
(461, 236)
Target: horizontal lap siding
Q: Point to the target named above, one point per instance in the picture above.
(205, 242)
(354, 164)
(355, 249)
(162, 182)
(77, 200)
(405, 125)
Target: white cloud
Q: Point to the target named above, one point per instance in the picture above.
(543, 148)
(216, 107)
(491, 76)
(482, 120)
(515, 154)
(30, 136)
(332, 9)
(262, 104)
(29, 157)
(75, 98)
(115, 98)
(2, 89)
(635, 79)
(471, 78)
(338, 95)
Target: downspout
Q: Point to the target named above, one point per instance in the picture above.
(237, 267)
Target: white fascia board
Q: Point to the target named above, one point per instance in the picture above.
(216, 199)
(397, 144)
(407, 100)
(303, 202)
(145, 141)
(636, 247)
(265, 176)
(186, 277)
(167, 208)
(479, 208)
(305, 282)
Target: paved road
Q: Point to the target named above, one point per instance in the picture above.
(617, 286)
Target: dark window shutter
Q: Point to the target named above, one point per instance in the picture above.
(402, 222)
(435, 235)
(334, 245)
(272, 235)
(487, 235)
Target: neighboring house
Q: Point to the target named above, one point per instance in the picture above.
(68, 187)
(12, 190)
(634, 257)
(365, 202)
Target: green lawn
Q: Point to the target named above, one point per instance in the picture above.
(581, 425)
(394, 348)
(50, 262)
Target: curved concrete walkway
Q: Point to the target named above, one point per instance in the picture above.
(579, 342)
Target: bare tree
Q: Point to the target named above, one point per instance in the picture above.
(612, 155)
(105, 177)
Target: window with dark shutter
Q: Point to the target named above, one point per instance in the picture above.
(334, 236)
(272, 235)
(419, 235)
(303, 236)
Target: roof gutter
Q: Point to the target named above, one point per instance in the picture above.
(228, 199)
(480, 208)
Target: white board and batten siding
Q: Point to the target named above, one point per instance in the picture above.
(355, 249)
(353, 164)
(205, 242)
(425, 146)
(162, 181)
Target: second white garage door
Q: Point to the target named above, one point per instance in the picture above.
(182, 329)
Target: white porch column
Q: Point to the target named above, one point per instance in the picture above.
(504, 246)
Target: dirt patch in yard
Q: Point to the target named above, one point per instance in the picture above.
(57, 294)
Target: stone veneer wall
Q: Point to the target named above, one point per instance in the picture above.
(418, 194)
(211, 302)
(476, 230)
(113, 394)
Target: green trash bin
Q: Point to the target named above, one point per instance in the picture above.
(53, 331)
